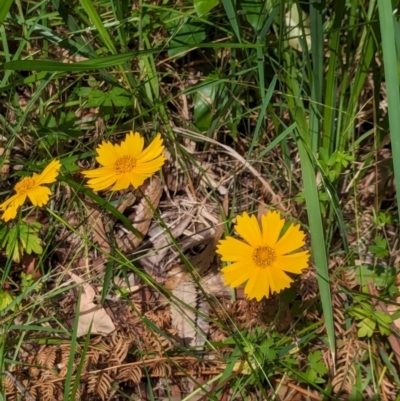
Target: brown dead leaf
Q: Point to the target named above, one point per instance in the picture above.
(191, 326)
(28, 263)
(141, 218)
(90, 313)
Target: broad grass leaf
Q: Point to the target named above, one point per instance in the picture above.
(255, 13)
(203, 7)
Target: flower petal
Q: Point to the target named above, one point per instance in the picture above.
(149, 167)
(291, 240)
(237, 273)
(123, 182)
(107, 154)
(9, 213)
(102, 183)
(137, 179)
(278, 280)
(272, 225)
(293, 263)
(249, 229)
(11, 206)
(132, 145)
(154, 150)
(99, 172)
(49, 174)
(259, 286)
(39, 196)
(10, 200)
(232, 250)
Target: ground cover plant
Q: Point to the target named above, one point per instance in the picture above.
(198, 200)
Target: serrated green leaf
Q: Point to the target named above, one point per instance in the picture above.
(202, 7)
(33, 245)
(314, 357)
(366, 328)
(84, 91)
(383, 317)
(5, 300)
(359, 313)
(96, 98)
(384, 330)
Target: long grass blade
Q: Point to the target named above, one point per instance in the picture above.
(390, 63)
(94, 16)
(4, 7)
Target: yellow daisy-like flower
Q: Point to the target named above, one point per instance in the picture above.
(126, 164)
(265, 256)
(31, 187)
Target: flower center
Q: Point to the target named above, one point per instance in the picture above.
(264, 256)
(125, 164)
(24, 185)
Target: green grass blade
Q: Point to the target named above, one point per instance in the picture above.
(318, 244)
(4, 7)
(390, 63)
(319, 249)
(94, 16)
(230, 9)
(74, 346)
(317, 53)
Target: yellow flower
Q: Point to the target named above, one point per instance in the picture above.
(126, 164)
(32, 188)
(264, 258)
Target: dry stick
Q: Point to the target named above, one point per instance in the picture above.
(301, 390)
(18, 384)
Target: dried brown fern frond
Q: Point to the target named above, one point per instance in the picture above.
(348, 355)
(158, 369)
(338, 300)
(45, 389)
(46, 357)
(120, 347)
(91, 359)
(10, 387)
(389, 389)
(130, 373)
(309, 294)
(104, 384)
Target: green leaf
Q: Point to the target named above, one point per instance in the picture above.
(84, 91)
(5, 300)
(366, 328)
(120, 97)
(379, 248)
(96, 98)
(317, 364)
(379, 275)
(203, 7)
(33, 245)
(255, 13)
(186, 34)
(211, 95)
